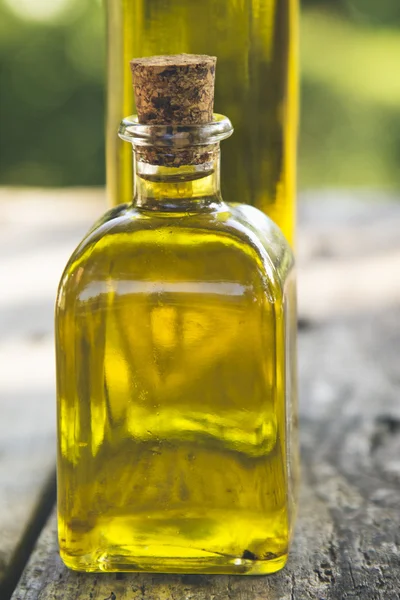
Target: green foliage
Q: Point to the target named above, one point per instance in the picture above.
(378, 12)
(52, 100)
(52, 94)
(350, 126)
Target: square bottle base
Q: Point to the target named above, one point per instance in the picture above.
(217, 565)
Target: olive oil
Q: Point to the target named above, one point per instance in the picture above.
(175, 340)
(256, 45)
(172, 398)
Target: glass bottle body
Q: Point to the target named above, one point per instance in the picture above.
(175, 369)
(255, 42)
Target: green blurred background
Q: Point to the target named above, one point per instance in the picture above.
(52, 91)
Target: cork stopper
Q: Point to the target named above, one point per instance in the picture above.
(174, 89)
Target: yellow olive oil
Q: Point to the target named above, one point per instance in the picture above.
(174, 397)
(176, 358)
(255, 42)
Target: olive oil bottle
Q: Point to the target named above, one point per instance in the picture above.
(176, 358)
(256, 45)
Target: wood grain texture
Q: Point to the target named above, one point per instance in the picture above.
(347, 542)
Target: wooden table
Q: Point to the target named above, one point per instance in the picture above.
(347, 542)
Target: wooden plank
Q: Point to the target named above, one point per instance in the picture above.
(36, 240)
(347, 543)
(345, 242)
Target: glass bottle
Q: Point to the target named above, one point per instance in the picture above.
(256, 45)
(176, 373)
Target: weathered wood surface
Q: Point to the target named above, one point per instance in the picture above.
(36, 239)
(347, 542)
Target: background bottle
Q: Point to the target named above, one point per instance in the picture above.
(256, 45)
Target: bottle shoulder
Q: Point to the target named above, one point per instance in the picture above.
(270, 236)
(237, 240)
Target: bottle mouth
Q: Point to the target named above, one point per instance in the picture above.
(177, 136)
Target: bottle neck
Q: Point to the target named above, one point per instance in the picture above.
(184, 188)
(176, 166)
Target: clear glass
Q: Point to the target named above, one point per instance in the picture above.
(255, 42)
(176, 375)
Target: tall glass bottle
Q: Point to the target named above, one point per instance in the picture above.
(176, 368)
(256, 45)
